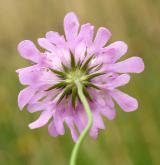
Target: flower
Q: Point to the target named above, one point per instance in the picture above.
(50, 81)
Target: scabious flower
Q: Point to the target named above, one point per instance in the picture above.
(50, 81)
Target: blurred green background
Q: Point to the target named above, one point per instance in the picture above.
(132, 138)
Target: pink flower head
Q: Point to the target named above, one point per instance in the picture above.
(50, 81)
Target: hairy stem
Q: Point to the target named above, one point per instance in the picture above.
(86, 130)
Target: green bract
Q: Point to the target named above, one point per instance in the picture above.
(79, 71)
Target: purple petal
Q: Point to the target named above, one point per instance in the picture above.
(29, 76)
(25, 96)
(108, 112)
(86, 34)
(80, 118)
(52, 129)
(71, 126)
(30, 68)
(130, 65)
(38, 96)
(118, 81)
(64, 55)
(28, 51)
(55, 38)
(58, 120)
(80, 51)
(42, 120)
(35, 107)
(105, 105)
(102, 36)
(71, 25)
(79, 124)
(97, 124)
(44, 43)
(126, 102)
(114, 51)
(35, 76)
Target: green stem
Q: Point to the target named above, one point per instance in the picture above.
(86, 130)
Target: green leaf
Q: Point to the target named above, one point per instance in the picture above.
(65, 68)
(59, 73)
(67, 90)
(86, 93)
(95, 67)
(90, 68)
(79, 64)
(61, 84)
(93, 75)
(98, 67)
(74, 96)
(89, 84)
(73, 63)
(84, 66)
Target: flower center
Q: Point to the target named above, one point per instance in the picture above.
(81, 71)
(74, 76)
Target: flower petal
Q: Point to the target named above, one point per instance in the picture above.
(52, 129)
(102, 36)
(71, 126)
(97, 124)
(58, 120)
(64, 55)
(80, 51)
(28, 50)
(108, 112)
(86, 34)
(32, 67)
(126, 102)
(44, 43)
(36, 75)
(80, 118)
(25, 96)
(105, 105)
(38, 96)
(35, 107)
(130, 65)
(55, 38)
(71, 25)
(120, 80)
(28, 76)
(114, 51)
(42, 120)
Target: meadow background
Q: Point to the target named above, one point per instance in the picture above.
(132, 138)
